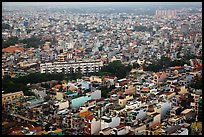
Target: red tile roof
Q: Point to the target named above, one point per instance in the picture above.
(109, 77)
(12, 49)
(84, 114)
(90, 117)
(145, 89)
(120, 126)
(120, 93)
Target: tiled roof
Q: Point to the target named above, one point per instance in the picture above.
(120, 93)
(120, 126)
(12, 49)
(89, 117)
(58, 130)
(57, 86)
(86, 113)
(145, 89)
(109, 77)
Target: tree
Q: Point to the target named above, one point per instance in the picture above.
(5, 26)
(116, 68)
(104, 91)
(10, 41)
(136, 65)
(33, 42)
(196, 82)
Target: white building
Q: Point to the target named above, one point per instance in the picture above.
(95, 94)
(71, 67)
(109, 122)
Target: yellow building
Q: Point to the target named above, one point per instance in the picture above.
(10, 96)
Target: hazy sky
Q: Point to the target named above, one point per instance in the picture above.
(96, 3)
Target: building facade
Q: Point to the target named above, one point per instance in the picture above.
(71, 67)
(11, 96)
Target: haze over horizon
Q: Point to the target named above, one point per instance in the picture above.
(100, 4)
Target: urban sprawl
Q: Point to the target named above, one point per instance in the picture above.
(101, 73)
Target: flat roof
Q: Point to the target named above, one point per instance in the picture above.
(186, 111)
(9, 94)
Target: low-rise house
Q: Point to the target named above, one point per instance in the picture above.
(11, 96)
(159, 77)
(109, 121)
(95, 79)
(106, 131)
(119, 130)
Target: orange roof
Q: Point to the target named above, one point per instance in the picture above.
(12, 49)
(84, 114)
(57, 86)
(89, 117)
(145, 89)
(156, 125)
(58, 130)
(40, 133)
(18, 103)
(120, 92)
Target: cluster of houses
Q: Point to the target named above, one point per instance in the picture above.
(143, 103)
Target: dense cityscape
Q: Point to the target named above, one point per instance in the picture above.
(97, 69)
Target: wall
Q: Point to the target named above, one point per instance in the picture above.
(185, 131)
(85, 85)
(95, 78)
(121, 132)
(156, 120)
(41, 93)
(165, 106)
(141, 114)
(137, 130)
(96, 94)
(11, 96)
(77, 102)
(95, 126)
(59, 96)
(115, 122)
(63, 105)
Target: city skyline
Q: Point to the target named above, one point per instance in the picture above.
(106, 4)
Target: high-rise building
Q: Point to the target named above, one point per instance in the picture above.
(165, 13)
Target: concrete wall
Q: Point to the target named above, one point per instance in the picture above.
(141, 114)
(59, 96)
(95, 126)
(86, 85)
(41, 93)
(121, 132)
(115, 122)
(137, 130)
(77, 102)
(184, 132)
(156, 120)
(63, 105)
(96, 94)
(165, 106)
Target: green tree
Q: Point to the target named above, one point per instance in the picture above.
(116, 68)
(136, 65)
(196, 82)
(10, 41)
(5, 26)
(104, 91)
